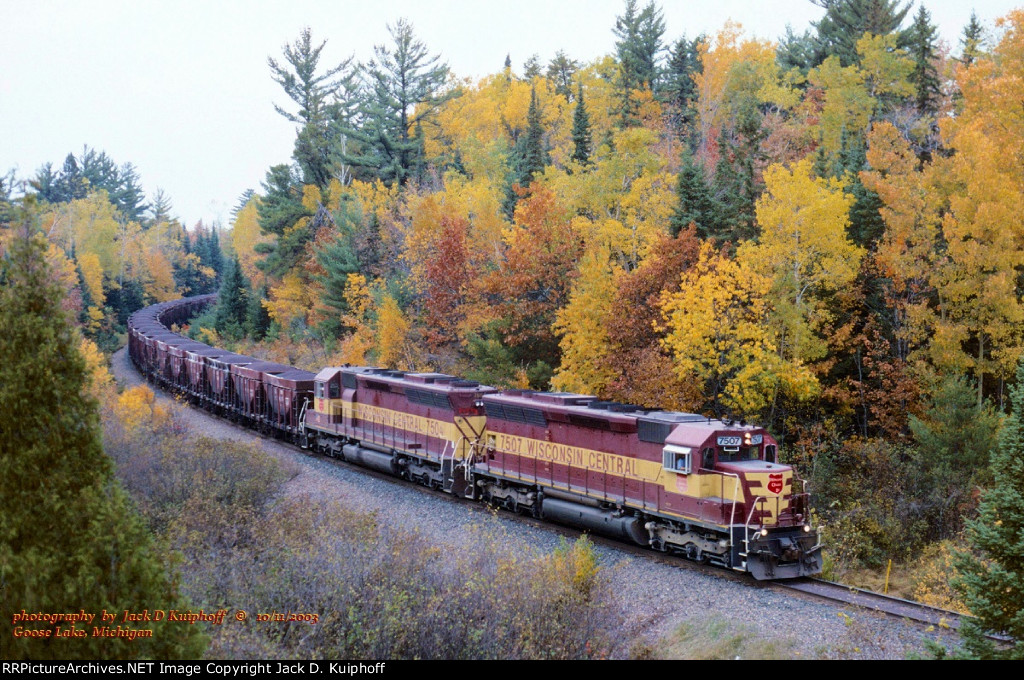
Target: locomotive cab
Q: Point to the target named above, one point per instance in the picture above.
(755, 500)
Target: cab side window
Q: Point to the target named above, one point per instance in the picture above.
(708, 459)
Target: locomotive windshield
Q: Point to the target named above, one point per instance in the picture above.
(732, 454)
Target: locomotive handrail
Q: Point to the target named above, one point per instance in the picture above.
(735, 491)
(746, 526)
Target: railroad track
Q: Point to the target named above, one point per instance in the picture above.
(866, 599)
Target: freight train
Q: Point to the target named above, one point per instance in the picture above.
(710, 490)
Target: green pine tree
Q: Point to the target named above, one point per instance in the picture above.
(69, 537)
(696, 203)
(533, 156)
(280, 208)
(846, 21)
(639, 33)
(581, 136)
(992, 577)
(401, 79)
(972, 43)
(233, 302)
(257, 318)
(953, 439)
(921, 40)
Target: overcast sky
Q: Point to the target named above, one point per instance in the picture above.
(182, 89)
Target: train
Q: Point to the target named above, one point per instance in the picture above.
(710, 490)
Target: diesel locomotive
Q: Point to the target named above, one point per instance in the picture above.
(710, 490)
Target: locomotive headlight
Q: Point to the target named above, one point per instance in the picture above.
(807, 528)
(764, 532)
(746, 439)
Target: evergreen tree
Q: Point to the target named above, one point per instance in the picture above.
(678, 88)
(736, 184)
(69, 538)
(321, 97)
(533, 157)
(233, 302)
(846, 21)
(127, 194)
(581, 137)
(161, 208)
(243, 201)
(696, 203)
(338, 259)
(921, 39)
(797, 51)
(992, 579)
(280, 209)
(70, 183)
(561, 70)
(972, 42)
(216, 256)
(639, 34)
(531, 67)
(45, 184)
(400, 80)
(257, 318)
(954, 436)
(8, 183)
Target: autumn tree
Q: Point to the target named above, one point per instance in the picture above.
(583, 327)
(803, 250)
(641, 367)
(80, 544)
(717, 332)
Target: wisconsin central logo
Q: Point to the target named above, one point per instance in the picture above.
(775, 482)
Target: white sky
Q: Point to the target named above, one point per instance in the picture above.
(182, 88)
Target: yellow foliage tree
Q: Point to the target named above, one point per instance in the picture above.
(245, 235)
(717, 330)
(582, 326)
(137, 409)
(394, 350)
(804, 252)
(355, 346)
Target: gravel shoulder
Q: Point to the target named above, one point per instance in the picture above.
(658, 598)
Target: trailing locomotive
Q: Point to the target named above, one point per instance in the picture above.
(710, 490)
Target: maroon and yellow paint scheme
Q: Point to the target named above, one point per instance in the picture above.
(428, 416)
(678, 471)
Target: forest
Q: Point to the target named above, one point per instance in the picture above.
(820, 234)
